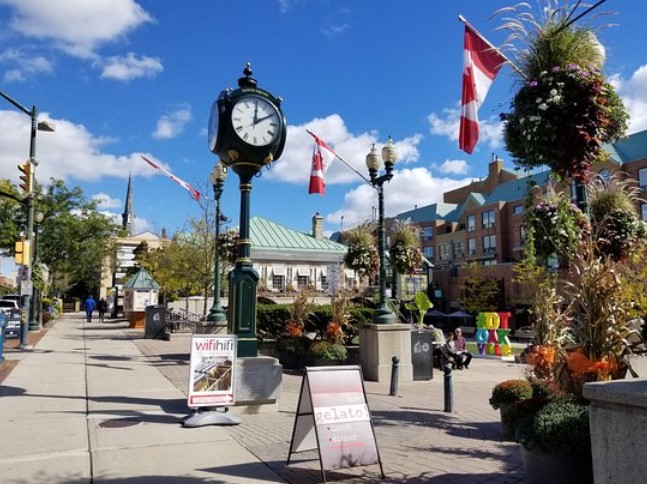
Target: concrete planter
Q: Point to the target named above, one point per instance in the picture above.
(557, 468)
(618, 415)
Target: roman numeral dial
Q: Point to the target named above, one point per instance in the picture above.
(255, 120)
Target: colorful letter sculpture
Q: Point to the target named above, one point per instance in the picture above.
(492, 334)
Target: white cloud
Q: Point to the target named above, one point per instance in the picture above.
(172, 124)
(447, 125)
(105, 201)
(455, 167)
(140, 224)
(72, 152)
(126, 68)
(76, 26)
(633, 92)
(294, 164)
(21, 64)
(410, 187)
(334, 30)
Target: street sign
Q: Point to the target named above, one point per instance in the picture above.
(26, 288)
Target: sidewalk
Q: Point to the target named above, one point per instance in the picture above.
(97, 403)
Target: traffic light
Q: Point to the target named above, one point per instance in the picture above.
(23, 254)
(26, 177)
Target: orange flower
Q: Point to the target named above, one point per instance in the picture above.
(334, 333)
(294, 329)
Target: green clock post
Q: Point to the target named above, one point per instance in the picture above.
(247, 131)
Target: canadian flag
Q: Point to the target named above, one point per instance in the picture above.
(194, 193)
(481, 63)
(322, 156)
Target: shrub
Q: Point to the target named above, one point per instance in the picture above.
(560, 426)
(509, 392)
(328, 351)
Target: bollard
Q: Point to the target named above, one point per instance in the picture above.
(449, 400)
(395, 366)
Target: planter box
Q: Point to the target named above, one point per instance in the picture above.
(618, 415)
(557, 468)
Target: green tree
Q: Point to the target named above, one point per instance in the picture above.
(479, 293)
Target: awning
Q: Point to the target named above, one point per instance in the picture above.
(278, 270)
(303, 271)
(323, 271)
(350, 273)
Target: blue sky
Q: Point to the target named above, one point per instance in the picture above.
(121, 78)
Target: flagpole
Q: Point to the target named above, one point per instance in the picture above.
(342, 160)
(512, 64)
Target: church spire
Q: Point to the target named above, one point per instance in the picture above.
(128, 217)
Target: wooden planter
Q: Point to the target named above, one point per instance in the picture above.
(290, 361)
(557, 468)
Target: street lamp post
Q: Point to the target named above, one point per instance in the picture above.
(27, 324)
(383, 315)
(218, 175)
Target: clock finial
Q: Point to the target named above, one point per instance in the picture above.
(248, 80)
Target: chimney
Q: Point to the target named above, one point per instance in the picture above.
(495, 167)
(317, 226)
(163, 235)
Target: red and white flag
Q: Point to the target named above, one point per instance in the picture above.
(481, 63)
(194, 193)
(322, 157)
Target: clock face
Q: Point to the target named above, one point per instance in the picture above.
(255, 120)
(213, 126)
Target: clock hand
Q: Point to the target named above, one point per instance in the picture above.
(255, 112)
(258, 120)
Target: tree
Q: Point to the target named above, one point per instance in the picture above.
(479, 293)
(74, 237)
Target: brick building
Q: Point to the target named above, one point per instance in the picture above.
(483, 223)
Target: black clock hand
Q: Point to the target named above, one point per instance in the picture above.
(258, 120)
(255, 112)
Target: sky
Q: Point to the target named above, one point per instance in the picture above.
(125, 78)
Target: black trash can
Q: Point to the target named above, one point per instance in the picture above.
(155, 323)
(422, 355)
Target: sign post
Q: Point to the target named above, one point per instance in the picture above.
(212, 378)
(333, 418)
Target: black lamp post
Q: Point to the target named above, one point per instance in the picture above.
(383, 315)
(218, 175)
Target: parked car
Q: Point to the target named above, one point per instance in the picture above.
(12, 329)
(7, 304)
(11, 297)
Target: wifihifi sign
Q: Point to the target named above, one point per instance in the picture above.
(212, 371)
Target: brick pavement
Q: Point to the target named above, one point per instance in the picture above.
(418, 442)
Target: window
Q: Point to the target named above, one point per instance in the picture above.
(604, 175)
(488, 219)
(471, 246)
(428, 252)
(489, 262)
(302, 282)
(427, 233)
(458, 250)
(471, 223)
(324, 282)
(489, 244)
(642, 179)
(643, 211)
(278, 282)
(518, 209)
(522, 234)
(444, 251)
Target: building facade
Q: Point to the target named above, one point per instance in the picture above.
(483, 223)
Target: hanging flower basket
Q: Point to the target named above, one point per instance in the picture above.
(562, 119)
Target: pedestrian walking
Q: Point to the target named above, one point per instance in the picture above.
(89, 308)
(102, 307)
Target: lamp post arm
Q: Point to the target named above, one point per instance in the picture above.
(16, 104)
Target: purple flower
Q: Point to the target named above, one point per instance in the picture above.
(533, 83)
(555, 69)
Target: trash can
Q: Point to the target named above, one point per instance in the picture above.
(422, 355)
(3, 323)
(155, 323)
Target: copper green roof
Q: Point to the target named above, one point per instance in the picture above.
(141, 280)
(269, 235)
